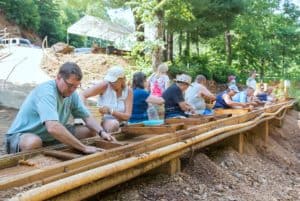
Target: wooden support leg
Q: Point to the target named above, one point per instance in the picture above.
(260, 131)
(277, 122)
(170, 168)
(266, 132)
(238, 141)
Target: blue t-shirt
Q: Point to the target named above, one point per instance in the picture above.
(44, 103)
(139, 110)
(220, 102)
(173, 96)
(240, 97)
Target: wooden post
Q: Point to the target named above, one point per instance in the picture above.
(277, 122)
(266, 131)
(238, 141)
(261, 131)
(173, 166)
(170, 168)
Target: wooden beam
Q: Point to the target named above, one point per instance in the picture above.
(153, 130)
(231, 111)
(103, 144)
(238, 142)
(172, 167)
(187, 121)
(61, 155)
(261, 131)
(266, 131)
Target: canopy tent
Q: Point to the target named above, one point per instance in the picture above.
(98, 28)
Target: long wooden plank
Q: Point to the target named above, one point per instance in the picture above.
(153, 130)
(231, 111)
(187, 121)
(61, 154)
(107, 145)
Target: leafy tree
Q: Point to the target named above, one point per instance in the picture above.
(24, 13)
(50, 24)
(267, 43)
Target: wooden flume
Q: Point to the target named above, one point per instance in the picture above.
(132, 159)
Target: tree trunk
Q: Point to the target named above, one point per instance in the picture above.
(187, 49)
(197, 45)
(180, 43)
(262, 70)
(139, 28)
(165, 50)
(228, 47)
(157, 53)
(170, 46)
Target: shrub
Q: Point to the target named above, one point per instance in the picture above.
(192, 66)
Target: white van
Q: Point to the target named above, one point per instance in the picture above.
(16, 42)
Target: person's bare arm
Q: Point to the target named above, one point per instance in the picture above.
(155, 100)
(59, 132)
(231, 103)
(205, 93)
(186, 107)
(94, 90)
(92, 124)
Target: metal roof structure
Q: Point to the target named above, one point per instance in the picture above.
(98, 28)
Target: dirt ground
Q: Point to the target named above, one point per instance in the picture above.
(262, 173)
(93, 66)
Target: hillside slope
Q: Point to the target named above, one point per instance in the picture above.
(16, 31)
(262, 173)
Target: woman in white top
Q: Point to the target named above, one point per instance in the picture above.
(115, 98)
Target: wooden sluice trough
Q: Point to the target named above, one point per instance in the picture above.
(69, 175)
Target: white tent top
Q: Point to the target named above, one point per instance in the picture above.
(98, 28)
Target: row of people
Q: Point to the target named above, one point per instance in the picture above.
(43, 117)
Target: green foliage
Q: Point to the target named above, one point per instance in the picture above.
(22, 12)
(220, 73)
(51, 24)
(141, 58)
(192, 66)
(294, 92)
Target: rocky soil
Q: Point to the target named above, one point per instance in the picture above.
(262, 173)
(94, 66)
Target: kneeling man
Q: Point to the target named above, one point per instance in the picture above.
(43, 116)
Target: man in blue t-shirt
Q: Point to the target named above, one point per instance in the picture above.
(43, 116)
(175, 105)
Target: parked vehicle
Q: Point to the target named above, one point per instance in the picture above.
(16, 42)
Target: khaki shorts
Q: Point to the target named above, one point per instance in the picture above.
(12, 141)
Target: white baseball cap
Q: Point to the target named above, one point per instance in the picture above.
(114, 73)
(183, 78)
